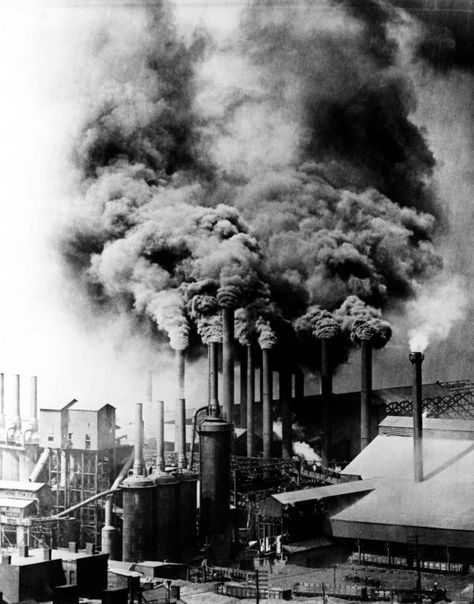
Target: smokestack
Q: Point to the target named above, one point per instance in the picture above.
(243, 386)
(181, 433)
(365, 392)
(267, 379)
(250, 403)
(17, 412)
(228, 363)
(160, 438)
(139, 464)
(416, 359)
(213, 379)
(180, 369)
(34, 402)
(285, 408)
(180, 418)
(326, 396)
(299, 386)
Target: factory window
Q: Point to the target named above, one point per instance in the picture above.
(50, 438)
(88, 441)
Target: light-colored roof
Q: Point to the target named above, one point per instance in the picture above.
(11, 502)
(23, 485)
(317, 493)
(444, 460)
(430, 423)
(304, 546)
(76, 405)
(36, 555)
(424, 504)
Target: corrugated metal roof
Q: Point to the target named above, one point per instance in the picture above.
(425, 504)
(317, 493)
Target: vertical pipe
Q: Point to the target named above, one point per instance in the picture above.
(285, 409)
(250, 403)
(365, 392)
(138, 464)
(180, 419)
(213, 379)
(299, 386)
(160, 438)
(243, 386)
(34, 402)
(267, 402)
(17, 412)
(228, 363)
(326, 397)
(181, 423)
(416, 359)
(180, 369)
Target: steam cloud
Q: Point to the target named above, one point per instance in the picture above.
(278, 172)
(434, 312)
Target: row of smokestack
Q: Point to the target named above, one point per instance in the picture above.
(15, 424)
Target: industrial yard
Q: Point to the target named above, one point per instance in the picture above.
(236, 319)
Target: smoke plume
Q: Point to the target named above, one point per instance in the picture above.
(280, 167)
(434, 312)
(363, 322)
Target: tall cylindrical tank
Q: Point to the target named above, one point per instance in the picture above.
(166, 515)
(138, 513)
(215, 437)
(186, 508)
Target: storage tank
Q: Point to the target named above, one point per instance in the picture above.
(186, 505)
(138, 514)
(215, 437)
(167, 514)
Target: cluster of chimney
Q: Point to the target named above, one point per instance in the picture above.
(18, 428)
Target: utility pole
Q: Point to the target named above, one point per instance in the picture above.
(257, 597)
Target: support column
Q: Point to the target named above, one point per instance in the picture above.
(250, 403)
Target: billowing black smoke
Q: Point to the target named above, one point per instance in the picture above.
(300, 184)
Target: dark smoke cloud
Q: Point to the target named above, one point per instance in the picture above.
(302, 184)
(363, 322)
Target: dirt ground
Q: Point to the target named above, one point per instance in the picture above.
(286, 576)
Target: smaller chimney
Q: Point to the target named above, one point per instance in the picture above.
(160, 438)
(250, 402)
(34, 403)
(139, 465)
(213, 379)
(267, 381)
(228, 363)
(326, 398)
(181, 433)
(17, 411)
(416, 358)
(365, 392)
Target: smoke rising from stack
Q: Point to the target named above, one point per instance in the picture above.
(179, 189)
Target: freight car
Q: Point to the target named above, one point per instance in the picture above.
(245, 591)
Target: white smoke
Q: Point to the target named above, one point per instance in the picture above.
(433, 313)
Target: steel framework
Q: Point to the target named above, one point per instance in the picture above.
(458, 405)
